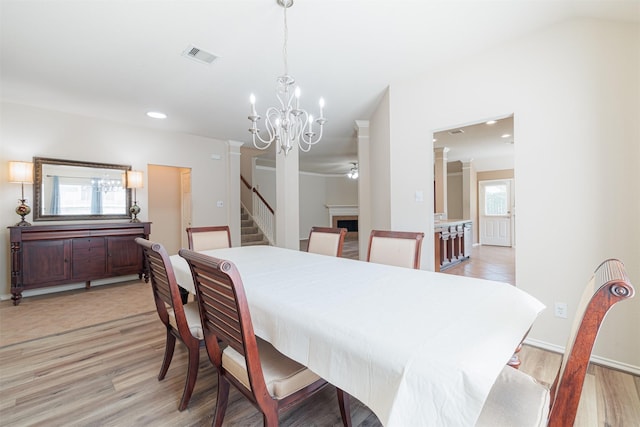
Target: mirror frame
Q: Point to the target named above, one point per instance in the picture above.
(38, 198)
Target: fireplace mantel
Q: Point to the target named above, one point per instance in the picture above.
(343, 212)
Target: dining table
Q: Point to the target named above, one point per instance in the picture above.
(419, 348)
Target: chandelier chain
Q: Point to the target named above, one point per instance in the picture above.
(284, 46)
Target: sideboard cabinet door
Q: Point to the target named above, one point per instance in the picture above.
(46, 261)
(124, 255)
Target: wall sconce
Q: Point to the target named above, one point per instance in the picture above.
(134, 180)
(21, 173)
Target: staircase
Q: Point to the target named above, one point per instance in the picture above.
(250, 234)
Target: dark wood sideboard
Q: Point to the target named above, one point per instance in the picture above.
(53, 255)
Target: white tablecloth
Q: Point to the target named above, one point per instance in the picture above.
(418, 348)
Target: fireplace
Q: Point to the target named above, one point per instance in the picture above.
(350, 222)
(344, 216)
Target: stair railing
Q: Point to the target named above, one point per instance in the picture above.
(262, 213)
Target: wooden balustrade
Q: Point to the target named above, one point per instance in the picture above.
(453, 241)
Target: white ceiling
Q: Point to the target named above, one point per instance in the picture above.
(118, 59)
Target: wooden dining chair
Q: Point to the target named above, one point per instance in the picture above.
(270, 380)
(211, 237)
(399, 248)
(518, 399)
(181, 321)
(326, 241)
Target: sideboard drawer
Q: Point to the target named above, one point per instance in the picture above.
(88, 243)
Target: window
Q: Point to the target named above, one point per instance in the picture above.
(495, 199)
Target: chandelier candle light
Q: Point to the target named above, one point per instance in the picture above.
(288, 124)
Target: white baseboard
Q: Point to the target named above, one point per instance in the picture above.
(609, 363)
(71, 286)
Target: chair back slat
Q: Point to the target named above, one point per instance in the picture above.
(158, 275)
(220, 313)
(608, 286)
(223, 307)
(165, 288)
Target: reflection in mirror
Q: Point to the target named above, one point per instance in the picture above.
(71, 190)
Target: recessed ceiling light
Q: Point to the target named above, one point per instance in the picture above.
(156, 115)
(492, 122)
(435, 139)
(506, 135)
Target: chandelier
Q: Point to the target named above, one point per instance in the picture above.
(353, 173)
(287, 124)
(106, 184)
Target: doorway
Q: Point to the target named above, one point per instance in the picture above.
(169, 205)
(477, 154)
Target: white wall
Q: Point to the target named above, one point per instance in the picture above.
(27, 132)
(313, 198)
(341, 191)
(574, 88)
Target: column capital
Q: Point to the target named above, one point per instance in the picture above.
(362, 127)
(234, 146)
(441, 152)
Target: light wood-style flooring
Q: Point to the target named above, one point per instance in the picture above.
(65, 361)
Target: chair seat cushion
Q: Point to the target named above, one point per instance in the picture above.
(516, 399)
(282, 375)
(192, 315)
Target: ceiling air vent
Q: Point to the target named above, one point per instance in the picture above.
(199, 55)
(455, 132)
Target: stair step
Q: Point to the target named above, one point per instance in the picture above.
(256, 243)
(249, 230)
(250, 234)
(252, 237)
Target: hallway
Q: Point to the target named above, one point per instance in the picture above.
(488, 262)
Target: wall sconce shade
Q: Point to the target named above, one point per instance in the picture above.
(21, 172)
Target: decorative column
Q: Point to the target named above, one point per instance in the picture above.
(440, 177)
(233, 178)
(288, 200)
(470, 195)
(364, 187)
(467, 169)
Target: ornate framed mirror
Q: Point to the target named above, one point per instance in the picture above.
(68, 190)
